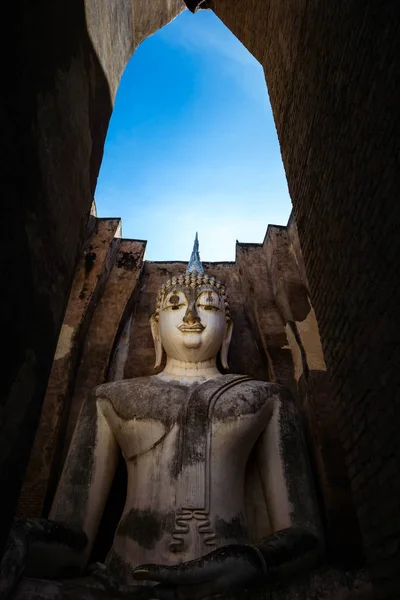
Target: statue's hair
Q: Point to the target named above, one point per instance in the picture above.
(193, 280)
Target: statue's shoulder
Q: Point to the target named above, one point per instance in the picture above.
(252, 395)
(266, 388)
(123, 388)
(139, 396)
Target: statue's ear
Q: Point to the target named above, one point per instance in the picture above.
(225, 344)
(156, 340)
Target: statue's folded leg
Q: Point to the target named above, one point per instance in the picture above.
(13, 561)
(221, 572)
(25, 547)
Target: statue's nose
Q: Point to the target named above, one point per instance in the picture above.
(191, 316)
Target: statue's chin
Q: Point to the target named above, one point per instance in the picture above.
(192, 340)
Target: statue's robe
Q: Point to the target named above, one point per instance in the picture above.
(203, 461)
(194, 456)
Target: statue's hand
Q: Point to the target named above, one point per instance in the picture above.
(213, 575)
(209, 576)
(100, 572)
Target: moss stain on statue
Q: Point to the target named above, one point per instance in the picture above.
(146, 527)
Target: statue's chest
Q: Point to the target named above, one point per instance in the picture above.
(145, 424)
(192, 420)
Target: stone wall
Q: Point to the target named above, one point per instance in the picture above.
(291, 292)
(88, 286)
(48, 178)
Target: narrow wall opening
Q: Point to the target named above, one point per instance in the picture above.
(192, 144)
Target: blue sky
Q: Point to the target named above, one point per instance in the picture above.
(192, 145)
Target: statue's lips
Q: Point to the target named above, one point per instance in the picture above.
(198, 328)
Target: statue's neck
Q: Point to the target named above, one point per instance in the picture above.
(189, 372)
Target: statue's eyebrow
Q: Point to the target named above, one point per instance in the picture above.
(174, 298)
(212, 297)
(168, 299)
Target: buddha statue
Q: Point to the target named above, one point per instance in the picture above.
(219, 490)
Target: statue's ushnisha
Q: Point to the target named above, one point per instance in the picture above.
(219, 490)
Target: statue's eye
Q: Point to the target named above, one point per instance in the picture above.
(207, 306)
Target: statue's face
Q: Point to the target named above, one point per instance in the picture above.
(192, 323)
